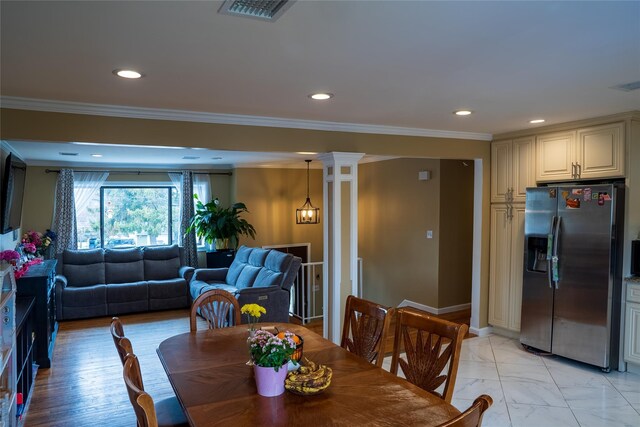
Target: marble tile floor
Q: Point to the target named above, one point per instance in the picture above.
(541, 391)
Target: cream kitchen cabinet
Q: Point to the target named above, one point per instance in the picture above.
(632, 324)
(588, 153)
(512, 169)
(506, 263)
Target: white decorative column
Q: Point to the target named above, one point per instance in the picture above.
(340, 225)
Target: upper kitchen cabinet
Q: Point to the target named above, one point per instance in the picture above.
(512, 169)
(556, 156)
(600, 151)
(588, 153)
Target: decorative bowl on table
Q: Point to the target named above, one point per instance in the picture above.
(310, 379)
(297, 355)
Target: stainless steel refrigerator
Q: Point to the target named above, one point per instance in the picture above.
(572, 280)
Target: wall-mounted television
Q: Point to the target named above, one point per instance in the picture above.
(12, 192)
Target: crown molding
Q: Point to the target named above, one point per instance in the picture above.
(19, 103)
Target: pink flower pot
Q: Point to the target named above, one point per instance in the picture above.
(269, 382)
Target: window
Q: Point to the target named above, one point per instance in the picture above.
(130, 216)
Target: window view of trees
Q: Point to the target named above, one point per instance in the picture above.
(131, 216)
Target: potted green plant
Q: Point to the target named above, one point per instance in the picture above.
(221, 225)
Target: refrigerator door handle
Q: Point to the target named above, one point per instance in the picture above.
(555, 260)
(550, 240)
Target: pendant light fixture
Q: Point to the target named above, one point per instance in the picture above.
(307, 214)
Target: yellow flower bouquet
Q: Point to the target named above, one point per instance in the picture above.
(253, 312)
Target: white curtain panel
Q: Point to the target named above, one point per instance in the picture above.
(86, 184)
(64, 215)
(176, 180)
(202, 187)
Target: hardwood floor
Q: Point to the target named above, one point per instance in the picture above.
(84, 386)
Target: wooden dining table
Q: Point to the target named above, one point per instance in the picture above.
(215, 386)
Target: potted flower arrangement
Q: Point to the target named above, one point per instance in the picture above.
(212, 222)
(270, 355)
(10, 256)
(36, 244)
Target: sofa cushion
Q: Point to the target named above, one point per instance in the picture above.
(243, 253)
(161, 262)
(278, 261)
(127, 292)
(247, 277)
(84, 268)
(123, 265)
(267, 278)
(85, 296)
(257, 257)
(159, 289)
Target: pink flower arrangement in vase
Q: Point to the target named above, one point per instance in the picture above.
(36, 244)
(10, 256)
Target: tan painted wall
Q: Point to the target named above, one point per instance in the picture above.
(456, 232)
(46, 126)
(395, 210)
(272, 196)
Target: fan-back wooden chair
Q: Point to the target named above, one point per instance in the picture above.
(472, 417)
(123, 345)
(215, 306)
(164, 413)
(430, 345)
(365, 329)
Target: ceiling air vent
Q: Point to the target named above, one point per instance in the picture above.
(627, 87)
(259, 9)
(68, 154)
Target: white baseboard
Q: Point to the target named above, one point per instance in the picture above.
(505, 332)
(433, 310)
(633, 368)
(482, 332)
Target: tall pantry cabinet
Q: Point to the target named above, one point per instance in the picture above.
(512, 171)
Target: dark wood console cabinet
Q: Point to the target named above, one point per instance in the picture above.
(39, 282)
(220, 259)
(25, 347)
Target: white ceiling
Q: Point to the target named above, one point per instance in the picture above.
(390, 63)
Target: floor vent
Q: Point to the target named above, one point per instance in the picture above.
(264, 10)
(627, 87)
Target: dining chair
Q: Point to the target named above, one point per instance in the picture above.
(163, 413)
(437, 345)
(216, 307)
(472, 417)
(123, 345)
(365, 328)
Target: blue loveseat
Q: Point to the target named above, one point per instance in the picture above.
(260, 276)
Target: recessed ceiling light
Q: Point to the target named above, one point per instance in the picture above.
(96, 155)
(462, 112)
(321, 96)
(306, 153)
(128, 74)
(536, 121)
